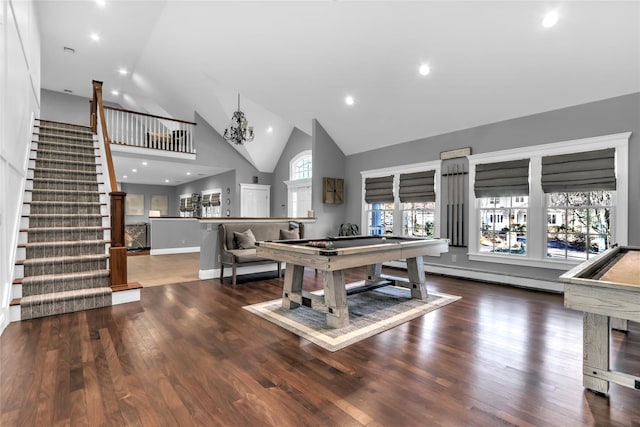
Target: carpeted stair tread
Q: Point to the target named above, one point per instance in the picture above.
(61, 229)
(64, 302)
(66, 181)
(66, 162)
(63, 282)
(65, 259)
(63, 296)
(89, 157)
(61, 125)
(63, 203)
(70, 243)
(65, 145)
(63, 171)
(52, 216)
(39, 192)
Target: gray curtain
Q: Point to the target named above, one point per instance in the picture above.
(502, 179)
(379, 190)
(417, 187)
(586, 171)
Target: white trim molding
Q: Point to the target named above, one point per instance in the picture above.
(170, 251)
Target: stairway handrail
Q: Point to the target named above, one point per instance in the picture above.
(106, 107)
(97, 107)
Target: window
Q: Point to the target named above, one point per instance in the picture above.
(503, 225)
(299, 185)
(211, 203)
(402, 201)
(581, 225)
(186, 205)
(576, 205)
(418, 219)
(300, 167)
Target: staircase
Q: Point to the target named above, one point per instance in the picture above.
(62, 253)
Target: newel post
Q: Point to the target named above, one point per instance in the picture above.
(118, 250)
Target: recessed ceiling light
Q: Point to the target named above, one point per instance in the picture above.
(115, 92)
(424, 69)
(550, 19)
(144, 163)
(270, 129)
(101, 3)
(134, 170)
(166, 180)
(124, 176)
(349, 100)
(188, 173)
(95, 37)
(123, 71)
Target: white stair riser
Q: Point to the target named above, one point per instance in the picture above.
(16, 290)
(18, 271)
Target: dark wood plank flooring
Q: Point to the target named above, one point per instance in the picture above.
(188, 354)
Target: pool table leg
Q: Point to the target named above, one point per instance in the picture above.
(374, 271)
(415, 271)
(335, 298)
(595, 352)
(292, 285)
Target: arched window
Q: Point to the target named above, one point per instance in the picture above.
(300, 166)
(299, 185)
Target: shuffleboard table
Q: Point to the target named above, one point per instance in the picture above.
(605, 288)
(333, 255)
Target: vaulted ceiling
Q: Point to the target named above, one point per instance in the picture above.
(295, 61)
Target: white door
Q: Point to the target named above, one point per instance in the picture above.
(255, 200)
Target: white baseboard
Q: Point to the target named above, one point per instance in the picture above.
(4, 319)
(214, 273)
(123, 297)
(170, 251)
(486, 276)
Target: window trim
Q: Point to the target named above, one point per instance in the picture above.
(435, 165)
(297, 184)
(537, 210)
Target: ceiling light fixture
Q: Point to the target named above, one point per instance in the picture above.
(188, 173)
(424, 69)
(115, 92)
(124, 176)
(269, 129)
(166, 180)
(349, 100)
(144, 163)
(239, 130)
(550, 19)
(134, 170)
(101, 3)
(123, 71)
(95, 37)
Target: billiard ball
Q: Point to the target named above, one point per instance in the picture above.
(384, 238)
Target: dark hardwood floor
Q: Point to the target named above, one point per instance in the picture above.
(189, 354)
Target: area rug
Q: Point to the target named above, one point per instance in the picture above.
(369, 314)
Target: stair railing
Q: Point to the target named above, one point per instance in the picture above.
(117, 250)
(142, 130)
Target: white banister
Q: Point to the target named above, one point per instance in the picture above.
(148, 131)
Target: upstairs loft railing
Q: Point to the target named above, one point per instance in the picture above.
(141, 130)
(117, 249)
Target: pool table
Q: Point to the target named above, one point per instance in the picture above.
(333, 255)
(606, 288)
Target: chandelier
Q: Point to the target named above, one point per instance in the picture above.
(239, 130)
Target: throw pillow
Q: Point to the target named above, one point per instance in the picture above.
(289, 234)
(245, 240)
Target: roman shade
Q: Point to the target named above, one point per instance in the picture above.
(586, 171)
(379, 190)
(206, 200)
(502, 179)
(186, 204)
(417, 187)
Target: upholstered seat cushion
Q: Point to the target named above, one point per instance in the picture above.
(247, 255)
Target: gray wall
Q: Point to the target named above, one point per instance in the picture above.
(174, 233)
(223, 181)
(148, 191)
(328, 161)
(615, 115)
(67, 108)
(298, 141)
(213, 150)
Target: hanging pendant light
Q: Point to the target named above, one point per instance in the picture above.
(239, 130)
